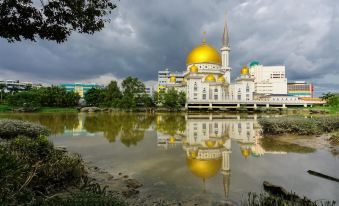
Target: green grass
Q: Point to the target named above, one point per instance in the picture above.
(4, 108)
(331, 109)
(57, 109)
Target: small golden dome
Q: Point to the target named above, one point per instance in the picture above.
(172, 140)
(204, 53)
(222, 79)
(244, 71)
(210, 143)
(173, 79)
(210, 78)
(194, 69)
(204, 168)
(193, 154)
(245, 152)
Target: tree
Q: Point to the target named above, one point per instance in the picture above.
(112, 94)
(133, 86)
(52, 20)
(327, 96)
(95, 97)
(333, 101)
(2, 88)
(171, 99)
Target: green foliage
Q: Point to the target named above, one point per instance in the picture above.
(133, 86)
(32, 167)
(333, 101)
(95, 97)
(12, 128)
(4, 108)
(264, 199)
(33, 172)
(173, 99)
(112, 94)
(51, 97)
(51, 20)
(299, 125)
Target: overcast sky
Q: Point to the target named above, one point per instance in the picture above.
(145, 36)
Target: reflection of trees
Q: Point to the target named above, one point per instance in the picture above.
(171, 123)
(270, 144)
(131, 127)
(55, 122)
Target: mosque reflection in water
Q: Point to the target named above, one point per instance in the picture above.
(206, 139)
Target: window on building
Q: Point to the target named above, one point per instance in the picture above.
(216, 97)
(195, 87)
(203, 96)
(215, 90)
(247, 88)
(239, 96)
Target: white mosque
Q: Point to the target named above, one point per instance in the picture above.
(207, 81)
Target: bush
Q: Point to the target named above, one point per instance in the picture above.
(299, 125)
(32, 167)
(12, 128)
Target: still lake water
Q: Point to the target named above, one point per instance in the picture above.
(196, 156)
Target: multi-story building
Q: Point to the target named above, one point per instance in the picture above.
(16, 85)
(80, 88)
(300, 89)
(268, 79)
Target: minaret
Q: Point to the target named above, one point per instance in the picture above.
(225, 52)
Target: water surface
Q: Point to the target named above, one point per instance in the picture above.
(197, 156)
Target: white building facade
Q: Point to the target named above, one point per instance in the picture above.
(207, 77)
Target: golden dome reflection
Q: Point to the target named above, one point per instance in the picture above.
(245, 152)
(203, 53)
(210, 143)
(210, 78)
(204, 168)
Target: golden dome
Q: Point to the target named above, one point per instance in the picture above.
(210, 78)
(173, 78)
(194, 69)
(222, 79)
(204, 168)
(245, 152)
(210, 143)
(193, 154)
(203, 53)
(244, 70)
(172, 140)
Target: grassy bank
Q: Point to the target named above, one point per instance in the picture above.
(299, 125)
(33, 172)
(4, 108)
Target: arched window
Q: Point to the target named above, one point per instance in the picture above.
(195, 86)
(216, 90)
(247, 88)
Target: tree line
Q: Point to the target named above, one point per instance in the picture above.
(131, 95)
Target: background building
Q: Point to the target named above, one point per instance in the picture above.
(300, 89)
(80, 88)
(268, 79)
(16, 85)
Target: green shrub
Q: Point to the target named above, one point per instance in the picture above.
(299, 125)
(12, 128)
(264, 199)
(32, 168)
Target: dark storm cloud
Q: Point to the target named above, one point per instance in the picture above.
(145, 36)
